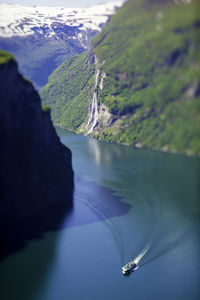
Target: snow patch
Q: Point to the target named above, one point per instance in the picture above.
(19, 20)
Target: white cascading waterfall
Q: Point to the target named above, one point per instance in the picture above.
(93, 113)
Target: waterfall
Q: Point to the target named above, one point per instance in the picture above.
(93, 113)
(103, 75)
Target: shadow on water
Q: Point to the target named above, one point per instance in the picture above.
(94, 203)
(27, 271)
(91, 203)
(15, 235)
(23, 273)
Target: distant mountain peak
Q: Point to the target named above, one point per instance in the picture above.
(41, 38)
(19, 20)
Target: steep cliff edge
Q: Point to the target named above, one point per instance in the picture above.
(36, 176)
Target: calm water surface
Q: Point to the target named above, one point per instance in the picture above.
(128, 204)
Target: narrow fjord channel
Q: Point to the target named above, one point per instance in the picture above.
(128, 204)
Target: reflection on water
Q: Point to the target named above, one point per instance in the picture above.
(129, 205)
(162, 189)
(95, 150)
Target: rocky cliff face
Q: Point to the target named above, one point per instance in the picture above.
(36, 177)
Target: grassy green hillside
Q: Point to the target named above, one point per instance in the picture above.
(150, 53)
(6, 57)
(68, 92)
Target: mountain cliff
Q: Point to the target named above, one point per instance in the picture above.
(36, 176)
(41, 38)
(145, 69)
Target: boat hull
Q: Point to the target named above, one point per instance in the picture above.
(127, 270)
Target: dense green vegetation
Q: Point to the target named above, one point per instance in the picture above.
(46, 109)
(6, 57)
(150, 52)
(68, 91)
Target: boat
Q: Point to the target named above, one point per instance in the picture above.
(129, 267)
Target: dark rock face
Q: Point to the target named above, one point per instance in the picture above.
(36, 176)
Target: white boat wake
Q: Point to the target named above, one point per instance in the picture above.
(141, 254)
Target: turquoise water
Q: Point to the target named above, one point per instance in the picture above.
(128, 204)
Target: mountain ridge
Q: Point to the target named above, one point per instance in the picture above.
(23, 20)
(148, 84)
(41, 38)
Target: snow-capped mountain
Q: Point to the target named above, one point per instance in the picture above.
(42, 37)
(18, 20)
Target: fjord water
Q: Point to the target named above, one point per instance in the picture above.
(128, 204)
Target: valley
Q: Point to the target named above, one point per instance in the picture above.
(41, 38)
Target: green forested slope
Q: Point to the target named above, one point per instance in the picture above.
(5, 57)
(150, 53)
(68, 91)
